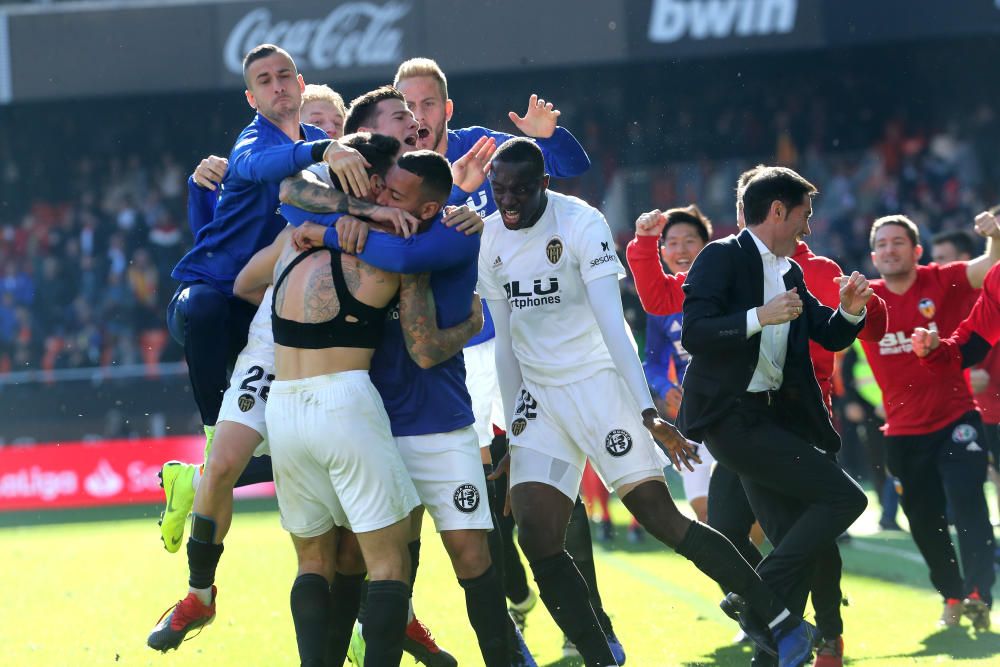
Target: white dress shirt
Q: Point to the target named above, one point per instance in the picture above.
(774, 337)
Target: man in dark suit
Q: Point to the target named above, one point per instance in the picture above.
(750, 392)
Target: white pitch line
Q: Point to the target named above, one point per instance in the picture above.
(889, 551)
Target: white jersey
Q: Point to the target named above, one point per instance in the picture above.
(260, 337)
(542, 272)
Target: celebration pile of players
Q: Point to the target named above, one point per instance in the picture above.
(337, 345)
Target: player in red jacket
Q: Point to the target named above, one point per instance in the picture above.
(933, 431)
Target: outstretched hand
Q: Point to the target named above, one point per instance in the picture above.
(679, 449)
(539, 121)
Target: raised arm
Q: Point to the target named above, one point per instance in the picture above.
(564, 156)
(251, 162)
(659, 292)
(976, 270)
(427, 344)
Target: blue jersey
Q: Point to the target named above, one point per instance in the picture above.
(663, 345)
(246, 217)
(564, 158)
(419, 401)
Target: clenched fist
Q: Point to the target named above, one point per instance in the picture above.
(855, 293)
(783, 308)
(650, 223)
(924, 341)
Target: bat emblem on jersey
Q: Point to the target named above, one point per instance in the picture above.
(927, 308)
(554, 250)
(246, 402)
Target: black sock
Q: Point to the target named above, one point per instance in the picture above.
(345, 604)
(565, 595)
(258, 470)
(716, 556)
(580, 547)
(310, 601)
(203, 559)
(484, 601)
(494, 537)
(385, 623)
(363, 607)
(414, 549)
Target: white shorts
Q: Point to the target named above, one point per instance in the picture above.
(334, 459)
(696, 483)
(556, 429)
(448, 472)
(246, 396)
(484, 387)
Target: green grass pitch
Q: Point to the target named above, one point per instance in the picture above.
(87, 593)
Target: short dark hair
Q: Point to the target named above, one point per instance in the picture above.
(689, 215)
(362, 112)
(770, 184)
(263, 51)
(378, 149)
(900, 221)
(522, 149)
(963, 241)
(433, 168)
(741, 182)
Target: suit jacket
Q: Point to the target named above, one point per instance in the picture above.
(725, 281)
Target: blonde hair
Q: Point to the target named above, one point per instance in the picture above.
(323, 93)
(422, 67)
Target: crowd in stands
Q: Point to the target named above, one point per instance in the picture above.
(92, 216)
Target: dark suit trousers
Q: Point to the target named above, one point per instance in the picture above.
(802, 498)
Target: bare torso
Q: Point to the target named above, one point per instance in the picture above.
(307, 294)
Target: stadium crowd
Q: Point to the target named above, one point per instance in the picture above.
(101, 249)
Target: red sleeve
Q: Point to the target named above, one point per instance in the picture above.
(876, 320)
(984, 320)
(659, 292)
(819, 274)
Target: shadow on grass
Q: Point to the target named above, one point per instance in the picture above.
(114, 513)
(956, 643)
(724, 656)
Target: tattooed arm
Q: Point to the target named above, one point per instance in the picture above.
(427, 344)
(307, 191)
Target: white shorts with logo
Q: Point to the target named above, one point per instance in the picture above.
(696, 483)
(556, 429)
(335, 462)
(448, 473)
(246, 396)
(484, 387)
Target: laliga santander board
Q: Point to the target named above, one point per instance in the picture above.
(93, 474)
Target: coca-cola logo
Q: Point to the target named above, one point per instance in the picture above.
(353, 34)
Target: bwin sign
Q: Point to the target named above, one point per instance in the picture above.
(672, 20)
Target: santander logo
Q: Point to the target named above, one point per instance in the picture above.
(355, 33)
(104, 481)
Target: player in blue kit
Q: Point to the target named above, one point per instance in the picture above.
(430, 409)
(203, 315)
(426, 90)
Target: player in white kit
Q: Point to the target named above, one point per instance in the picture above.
(573, 388)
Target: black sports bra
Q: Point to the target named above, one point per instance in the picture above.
(355, 325)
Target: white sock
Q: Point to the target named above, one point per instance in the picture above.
(203, 594)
